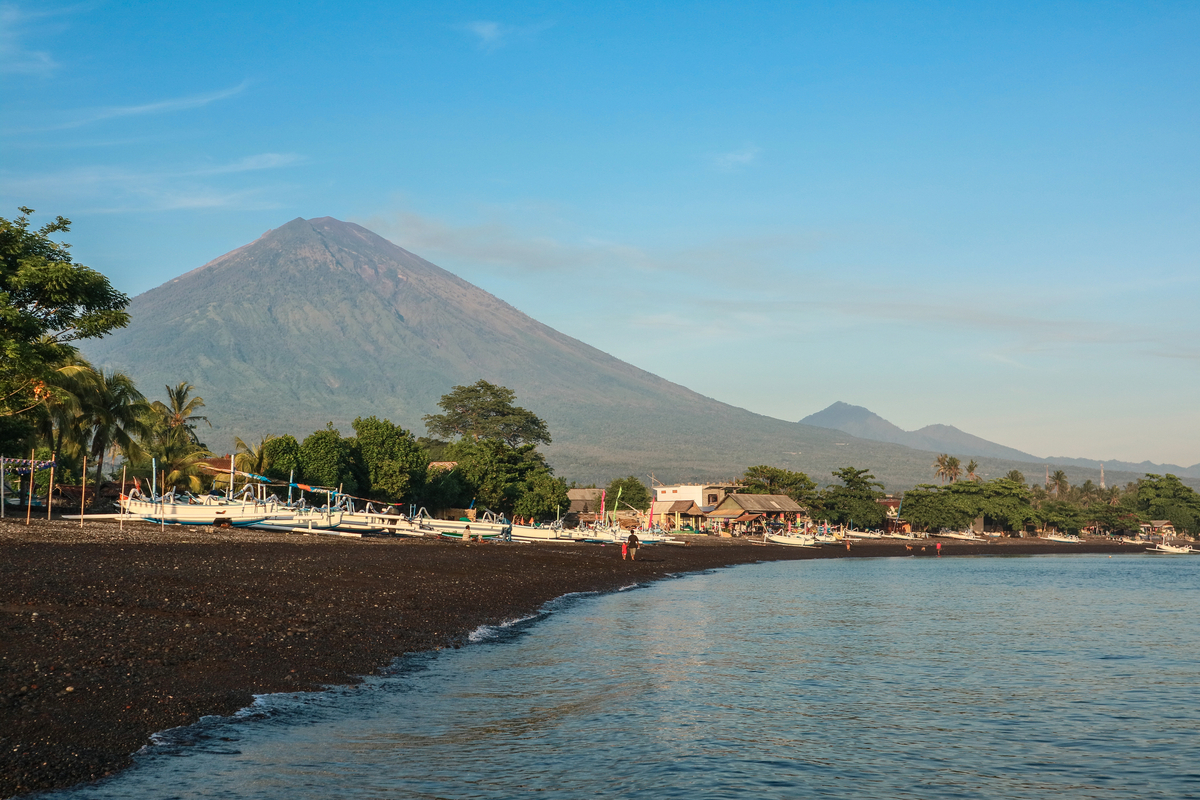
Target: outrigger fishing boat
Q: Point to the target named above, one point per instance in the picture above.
(188, 509)
(792, 539)
(1162, 548)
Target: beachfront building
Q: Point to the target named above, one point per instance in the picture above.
(678, 515)
(704, 495)
(739, 513)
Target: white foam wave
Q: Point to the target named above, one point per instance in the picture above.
(485, 632)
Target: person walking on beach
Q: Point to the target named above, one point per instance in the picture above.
(632, 542)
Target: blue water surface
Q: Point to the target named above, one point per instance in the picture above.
(999, 677)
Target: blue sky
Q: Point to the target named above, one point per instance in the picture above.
(985, 215)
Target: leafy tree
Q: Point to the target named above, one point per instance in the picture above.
(495, 474)
(774, 480)
(1002, 501)
(282, 457)
(1166, 497)
(180, 410)
(47, 301)
(1061, 515)
(854, 500)
(484, 411)
(632, 491)
(394, 463)
(542, 496)
(446, 488)
(932, 508)
(326, 459)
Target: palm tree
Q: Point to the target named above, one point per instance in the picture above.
(953, 468)
(1015, 475)
(973, 465)
(57, 420)
(252, 458)
(113, 414)
(1059, 485)
(941, 467)
(178, 460)
(180, 409)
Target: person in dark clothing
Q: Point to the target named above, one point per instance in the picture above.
(632, 541)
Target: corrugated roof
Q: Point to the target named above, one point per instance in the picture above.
(676, 507)
(765, 503)
(583, 494)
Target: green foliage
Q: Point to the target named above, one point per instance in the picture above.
(446, 488)
(46, 302)
(434, 448)
(484, 411)
(1165, 497)
(1003, 502)
(495, 474)
(282, 457)
(16, 436)
(326, 459)
(115, 414)
(395, 465)
(180, 410)
(632, 491)
(853, 501)
(542, 496)
(947, 468)
(773, 480)
(1015, 476)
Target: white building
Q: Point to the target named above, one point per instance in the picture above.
(703, 495)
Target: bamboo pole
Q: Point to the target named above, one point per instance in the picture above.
(163, 496)
(121, 521)
(3, 483)
(83, 494)
(50, 494)
(29, 506)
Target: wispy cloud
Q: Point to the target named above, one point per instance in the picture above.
(116, 189)
(491, 35)
(15, 56)
(89, 116)
(495, 243)
(736, 160)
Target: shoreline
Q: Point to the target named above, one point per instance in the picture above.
(111, 636)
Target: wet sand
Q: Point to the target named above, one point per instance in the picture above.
(107, 636)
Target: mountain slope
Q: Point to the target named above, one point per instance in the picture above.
(865, 424)
(321, 320)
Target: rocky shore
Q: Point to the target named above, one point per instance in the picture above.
(108, 635)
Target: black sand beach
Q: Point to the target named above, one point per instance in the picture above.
(110, 635)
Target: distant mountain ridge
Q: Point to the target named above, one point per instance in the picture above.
(866, 424)
(323, 321)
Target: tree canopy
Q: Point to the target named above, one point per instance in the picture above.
(854, 501)
(47, 301)
(775, 480)
(394, 463)
(632, 491)
(484, 411)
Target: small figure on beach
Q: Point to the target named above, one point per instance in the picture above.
(939, 549)
(632, 542)
(467, 534)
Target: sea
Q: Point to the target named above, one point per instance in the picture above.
(1073, 676)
